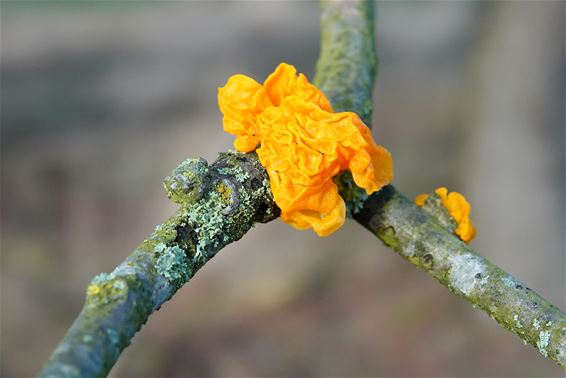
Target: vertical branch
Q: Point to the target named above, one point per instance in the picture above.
(346, 69)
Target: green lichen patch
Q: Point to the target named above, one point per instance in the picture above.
(208, 222)
(236, 171)
(219, 204)
(173, 264)
(106, 288)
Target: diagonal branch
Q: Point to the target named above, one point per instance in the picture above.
(426, 243)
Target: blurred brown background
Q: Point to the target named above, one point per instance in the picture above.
(100, 100)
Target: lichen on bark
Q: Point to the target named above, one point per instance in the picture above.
(218, 205)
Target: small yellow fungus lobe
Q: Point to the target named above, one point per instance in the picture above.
(302, 144)
(459, 209)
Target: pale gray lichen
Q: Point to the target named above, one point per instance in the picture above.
(517, 321)
(236, 171)
(119, 285)
(536, 324)
(208, 221)
(173, 264)
(510, 281)
(101, 278)
(542, 343)
(228, 207)
(160, 247)
(467, 272)
(215, 210)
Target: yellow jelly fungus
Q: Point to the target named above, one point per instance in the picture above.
(303, 144)
(459, 209)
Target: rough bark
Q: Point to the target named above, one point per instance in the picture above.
(218, 205)
(422, 237)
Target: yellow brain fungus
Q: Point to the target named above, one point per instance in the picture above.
(459, 209)
(302, 144)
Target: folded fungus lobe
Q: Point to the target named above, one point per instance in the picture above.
(458, 207)
(302, 144)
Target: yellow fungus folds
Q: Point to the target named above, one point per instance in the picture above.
(302, 144)
(459, 209)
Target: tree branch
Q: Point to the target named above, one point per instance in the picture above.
(220, 203)
(346, 74)
(426, 243)
(347, 65)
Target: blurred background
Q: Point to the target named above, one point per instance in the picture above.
(101, 100)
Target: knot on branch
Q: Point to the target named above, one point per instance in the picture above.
(188, 182)
(234, 179)
(219, 204)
